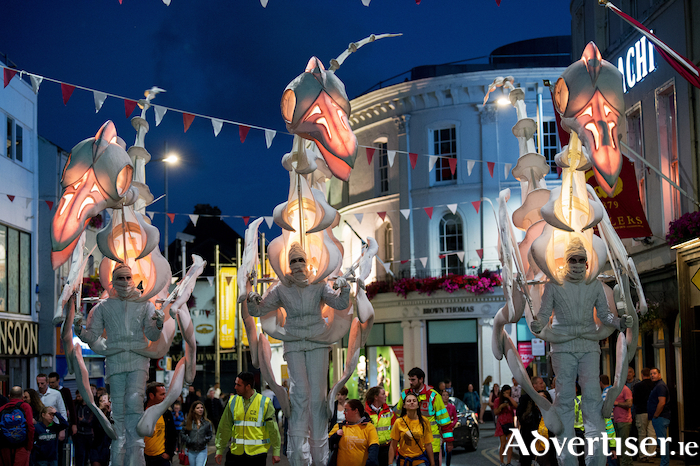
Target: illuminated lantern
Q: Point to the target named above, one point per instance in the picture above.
(589, 97)
(97, 176)
(316, 107)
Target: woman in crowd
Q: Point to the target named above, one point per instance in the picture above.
(485, 393)
(355, 439)
(452, 411)
(339, 410)
(196, 434)
(505, 407)
(45, 451)
(99, 453)
(493, 399)
(32, 398)
(411, 439)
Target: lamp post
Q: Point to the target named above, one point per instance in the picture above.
(167, 160)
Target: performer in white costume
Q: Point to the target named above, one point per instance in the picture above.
(307, 359)
(572, 304)
(129, 326)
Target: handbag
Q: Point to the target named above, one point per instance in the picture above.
(184, 459)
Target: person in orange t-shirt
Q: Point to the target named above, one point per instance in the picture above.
(355, 438)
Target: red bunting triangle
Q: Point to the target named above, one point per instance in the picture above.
(476, 205)
(129, 106)
(480, 253)
(453, 165)
(8, 74)
(171, 217)
(11, 197)
(370, 154)
(246, 219)
(187, 119)
(429, 211)
(50, 204)
(559, 173)
(414, 159)
(441, 256)
(498, 2)
(243, 132)
(382, 215)
(228, 279)
(67, 91)
(404, 261)
(491, 166)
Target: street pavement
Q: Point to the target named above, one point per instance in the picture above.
(485, 455)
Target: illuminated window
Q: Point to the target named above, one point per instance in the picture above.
(14, 144)
(388, 243)
(635, 139)
(451, 241)
(668, 150)
(15, 271)
(444, 146)
(383, 166)
(550, 143)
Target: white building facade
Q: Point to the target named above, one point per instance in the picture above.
(448, 335)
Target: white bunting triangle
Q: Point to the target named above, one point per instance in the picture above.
(216, 124)
(460, 254)
(160, 112)
(150, 214)
(269, 220)
(431, 162)
(387, 266)
(470, 167)
(406, 213)
(269, 136)
(391, 154)
(99, 99)
(36, 82)
(507, 169)
(359, 218)
(167, 2)
(452, 207)
(263, 3)
(424, 261)
(211, 281)
(29, 202)
(366, 2)
(194, 218)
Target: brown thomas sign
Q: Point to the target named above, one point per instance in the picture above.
(18, 338)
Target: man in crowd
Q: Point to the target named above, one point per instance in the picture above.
(622, 420)
(383, 419)
(529, 416)
(51, 397)
(472, 399)
(432, 408)
(249, 418)
(55, 383)
(659, 410)
(82, 439)
(160, 448)
(16, 451)
(213, 406)
(640, 397)
(515, 390)
(632, 379)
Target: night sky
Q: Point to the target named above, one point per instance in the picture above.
(232, 59)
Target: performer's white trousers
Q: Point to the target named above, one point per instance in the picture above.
(587, 366)
(308, 373)
(127, 389)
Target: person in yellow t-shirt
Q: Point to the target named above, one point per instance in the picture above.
(356, 438)
(411, 437)
(160, 447)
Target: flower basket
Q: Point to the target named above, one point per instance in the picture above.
(687, 227)
(477, 284)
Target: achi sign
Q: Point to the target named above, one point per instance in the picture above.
(636, 63)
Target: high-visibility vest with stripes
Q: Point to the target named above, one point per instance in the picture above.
(249, 434)
(382, 422)
(433, 410)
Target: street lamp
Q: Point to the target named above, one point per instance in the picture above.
(169, 159)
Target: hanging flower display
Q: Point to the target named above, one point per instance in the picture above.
(477, 284)
(685, 228)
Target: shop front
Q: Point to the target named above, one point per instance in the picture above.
(19, 344)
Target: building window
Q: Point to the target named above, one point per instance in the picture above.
(635, 139)
(550, 143)
(383, 166)
(451, 241)
(15, 271)
(14, 140)
(388, 243)
(668, 149)
(445, 147)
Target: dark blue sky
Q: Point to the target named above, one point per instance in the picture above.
(232, 59)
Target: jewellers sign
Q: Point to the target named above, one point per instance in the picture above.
(19, 338)
(448, 310)
(636, 63)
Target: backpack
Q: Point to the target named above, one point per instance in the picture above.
(13, 424)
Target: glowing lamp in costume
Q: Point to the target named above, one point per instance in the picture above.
(316, 107)
(97, 176)
(589, 97)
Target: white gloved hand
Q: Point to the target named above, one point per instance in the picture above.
(340, 282)
(78, 323)
(254, 296)
(626, 322)
(159, 317)
(536, 326)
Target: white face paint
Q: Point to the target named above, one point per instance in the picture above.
(123, 285)
(576, 268)
(298, 267)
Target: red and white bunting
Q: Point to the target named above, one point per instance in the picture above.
(217, 125)
(506, 170)
(413, 157)
(370, 154)
(11, 197)
(160, 113)
(391, 155)
(382, 215)
(7, 75)
(491, 166)
(470, 167)
(453, 208)
(243, 132)
(246, 219)
(429, 211)
(453, 165)
(194, 218)
(187, 119)
(480, 253)
(171, 217)
(431, 162)
(406, 213)
(476, 205)
(460, 255)
(36, 82)
(359, 217)
(424, 261)
(129, 106)
(269, 221)
(66, 92)
(99, 98)
(269, 136)
(150, 214)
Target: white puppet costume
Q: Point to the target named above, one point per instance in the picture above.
(570, 307)
(307, 358)
(129, 326)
